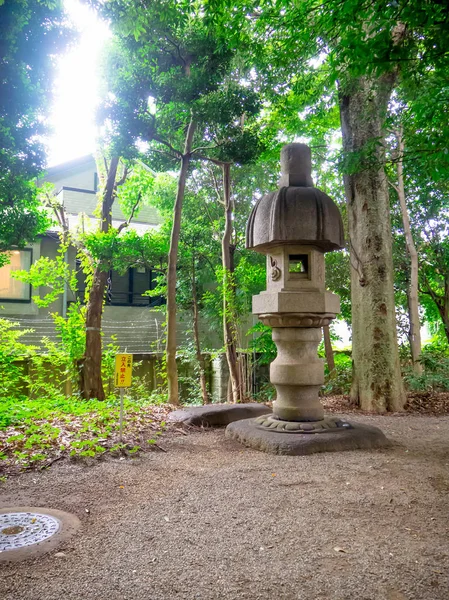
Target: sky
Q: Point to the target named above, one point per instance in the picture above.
(76, 88)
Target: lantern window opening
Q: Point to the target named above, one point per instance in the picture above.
(298, 266)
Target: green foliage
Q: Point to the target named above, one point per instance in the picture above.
(166, 66)
(121, 248)
(27, 370)
(36, 431)
(435, 376)
(71, 332)
(218, 64)
(60, 362)
(32, 34)
(49, 273)
(21, 216)
(338, 280)
(189, 375)
(137, 189)
(13, 354)
(262, 343)
(339, 381)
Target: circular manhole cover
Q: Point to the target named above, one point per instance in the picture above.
(26, 531)
(19, 529)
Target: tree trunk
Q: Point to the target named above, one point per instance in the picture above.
(377, 383)
(328, 349)
(441, 302)
(445, 310)
(92, 385)
(91, 376)
(196, 335)
(229, 329)
(171, 346)
(412, 293)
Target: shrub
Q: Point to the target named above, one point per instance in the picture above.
(13, 359)
(435, 376)
(339, 380)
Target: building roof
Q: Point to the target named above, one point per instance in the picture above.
(75, 184)
(77, 163)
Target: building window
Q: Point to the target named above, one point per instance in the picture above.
(12, 290)
(126, 289)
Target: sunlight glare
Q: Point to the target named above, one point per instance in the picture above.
(76, 91)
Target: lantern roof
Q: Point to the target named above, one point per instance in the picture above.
(297, 213)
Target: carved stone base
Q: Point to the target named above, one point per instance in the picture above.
(357, 436)
(302, 319)
(271, 423)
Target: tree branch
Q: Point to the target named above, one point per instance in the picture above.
(395, 187)
(220, 163)
(165, 143)
(122, 180)
(122, 226)
(204, 148)
(217, 190)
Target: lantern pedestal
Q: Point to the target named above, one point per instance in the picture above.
(297, 374)
(297, 425)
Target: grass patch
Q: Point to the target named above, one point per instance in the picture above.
(36, 433)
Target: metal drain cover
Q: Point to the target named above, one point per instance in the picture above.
(29, 531)
(19, 529)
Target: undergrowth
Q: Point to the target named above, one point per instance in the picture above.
(35, 433)
(435, 376)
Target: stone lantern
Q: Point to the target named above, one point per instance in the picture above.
(294, 227)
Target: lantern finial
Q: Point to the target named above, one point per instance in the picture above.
(296, 166)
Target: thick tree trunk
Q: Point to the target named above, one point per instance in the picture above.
(91, 376)
(196, 336)
(412, 293)
(171, 345)
(92, 385)
(229, 328)
(328, 349)
(377, 383)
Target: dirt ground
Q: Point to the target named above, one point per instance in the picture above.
(210, 519)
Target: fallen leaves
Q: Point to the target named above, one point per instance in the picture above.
(430, 403)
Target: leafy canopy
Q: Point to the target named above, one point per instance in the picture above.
(32, 35)
(169, 65)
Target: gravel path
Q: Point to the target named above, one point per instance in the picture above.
(210, 519)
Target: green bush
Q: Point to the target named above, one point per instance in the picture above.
(13, 359)
(435, 376)
(262, 343)
(339, 380)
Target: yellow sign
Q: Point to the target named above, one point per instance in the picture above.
(123, 370)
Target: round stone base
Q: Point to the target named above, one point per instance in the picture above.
(357, 436)
(274, 424)
(27, 531)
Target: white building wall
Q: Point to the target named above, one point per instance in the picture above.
(81, 176)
